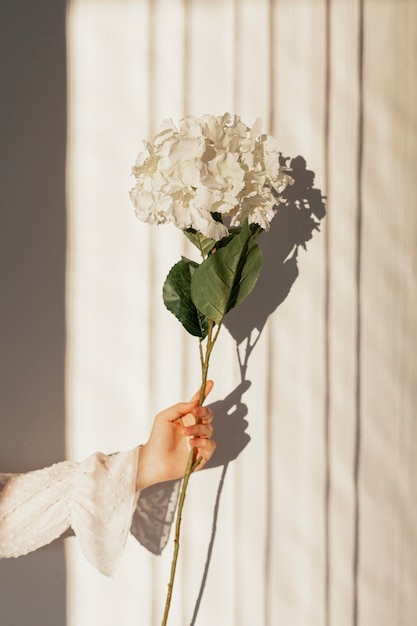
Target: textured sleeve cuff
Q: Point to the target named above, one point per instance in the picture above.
(103, 501)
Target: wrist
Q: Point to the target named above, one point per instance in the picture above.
(143, 479)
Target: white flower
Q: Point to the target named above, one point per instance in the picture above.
(213, 165)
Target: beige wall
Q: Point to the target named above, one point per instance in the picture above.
(315, 519)
(311, 522)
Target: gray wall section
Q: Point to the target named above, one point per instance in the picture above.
(32, 281)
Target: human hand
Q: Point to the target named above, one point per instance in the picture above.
(164, 456)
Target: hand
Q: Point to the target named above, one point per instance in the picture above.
(174, 431)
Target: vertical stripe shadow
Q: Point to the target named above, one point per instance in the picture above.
(327, 349)
(186, 58)
(268, 591)
(357, 453)
(152, 370)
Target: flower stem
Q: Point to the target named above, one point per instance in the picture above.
(187, 475)
(192, 464)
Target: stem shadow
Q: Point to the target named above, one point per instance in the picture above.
(210, 546)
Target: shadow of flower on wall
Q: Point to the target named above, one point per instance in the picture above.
(292, 227)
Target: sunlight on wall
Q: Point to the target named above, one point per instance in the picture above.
(130, 65)
(290, 531)
(126, 357)
(108, 277)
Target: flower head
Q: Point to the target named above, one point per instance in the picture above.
(209, 165)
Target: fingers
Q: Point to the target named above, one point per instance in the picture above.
(203, 414)
(181, 409)
(174, 413)
(205, 449)
(188, 411)
(199, 435)
(209, 387)
(198, 431)
(198, 415)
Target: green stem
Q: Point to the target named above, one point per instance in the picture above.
(192, 464)
(177, 535)
(205, 361)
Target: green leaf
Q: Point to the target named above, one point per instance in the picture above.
(228, 276)
(204, 244)
(176, 294)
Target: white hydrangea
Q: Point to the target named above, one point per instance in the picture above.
(209, 165)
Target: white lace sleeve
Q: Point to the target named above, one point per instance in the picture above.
(97, 498)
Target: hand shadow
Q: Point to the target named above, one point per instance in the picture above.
(230, 426)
